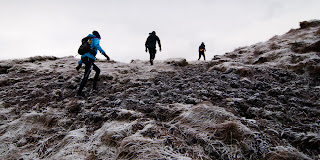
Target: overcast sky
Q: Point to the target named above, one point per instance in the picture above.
(56, 27)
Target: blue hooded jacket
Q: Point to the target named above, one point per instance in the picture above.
(95, 46)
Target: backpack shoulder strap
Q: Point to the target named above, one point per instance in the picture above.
(85, 39)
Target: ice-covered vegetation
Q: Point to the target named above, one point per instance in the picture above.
(257, 102)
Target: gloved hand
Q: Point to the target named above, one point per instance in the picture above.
(106, 56)
(160, 49)
(146, 50)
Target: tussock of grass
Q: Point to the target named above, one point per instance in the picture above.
(244, 71)
(73, 106)
(205, 113)
(35, 59)
(217, 132)
(307, 24)
(286, 153)
(229, 132)
(116, 133)
(181, 62)
(145, 148)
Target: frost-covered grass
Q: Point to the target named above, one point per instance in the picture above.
(257, 102)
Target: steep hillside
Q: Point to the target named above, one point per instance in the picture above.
(298, 50)
(257, 102)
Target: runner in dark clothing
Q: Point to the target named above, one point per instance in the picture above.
(202, 49)
(151, 45)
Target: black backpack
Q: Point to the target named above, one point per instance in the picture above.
(85, 46)
(151, 41)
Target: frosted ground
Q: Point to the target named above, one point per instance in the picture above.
(257, 102)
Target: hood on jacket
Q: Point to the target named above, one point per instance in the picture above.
(96, 33)
(153, 33)
(92, 36)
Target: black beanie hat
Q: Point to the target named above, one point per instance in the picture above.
(96, 33)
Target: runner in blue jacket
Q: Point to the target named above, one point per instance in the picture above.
(88, 59)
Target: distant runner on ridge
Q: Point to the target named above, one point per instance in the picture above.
(151, 45)
(202, 49)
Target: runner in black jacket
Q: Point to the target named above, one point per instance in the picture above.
(151, 45)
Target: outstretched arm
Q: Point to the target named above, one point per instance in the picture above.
(108, 58)
(98, 47)
(146, 44)
(159, 43)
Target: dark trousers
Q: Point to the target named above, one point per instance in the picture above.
(152, 52)
(201, 53)
(89, 62)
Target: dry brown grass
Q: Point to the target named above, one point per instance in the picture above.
(244, 71)
(296, 58)
(232, 55)
(111, 139)
(274, 46)
(202, 115)
(261, 60)
(302, 47)
(309, 66)
(307, 24)
(216, 62)
(3, 82)
(92, 156)
(138, 148)
(181, 63)
(220, 68)
(318, 32)
(73, 106)
(50, 145)
(315, 47)
(314, 70)
(35, 59)
(298, 46)
(49, 120)
(282, 153)
(229, 132)
(259, 50)
(4, 68)
(114, 137)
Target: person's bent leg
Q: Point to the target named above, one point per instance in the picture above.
(96, 76)
(152, 57)
(204, 56)
(199, 56)
(151, 60)
(152, 52)
(86, 75)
